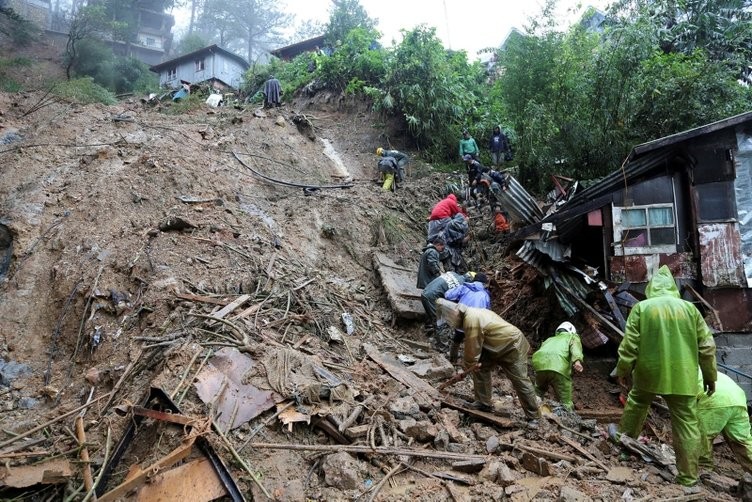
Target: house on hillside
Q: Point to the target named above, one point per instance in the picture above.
(685, 201)
(221, 68)
(290, 51)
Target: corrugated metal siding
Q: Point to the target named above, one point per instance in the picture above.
(520, 205)
(721, 255)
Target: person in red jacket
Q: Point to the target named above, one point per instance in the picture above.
(446, 208)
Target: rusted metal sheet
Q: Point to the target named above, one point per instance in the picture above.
(734, 307)
(195, 481)
(220, 385)
(640, 268)
(721, 259)
(521, 206)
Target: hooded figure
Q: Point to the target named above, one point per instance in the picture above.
(491, 341)
(554, 361)
(725, 412)
(665, 341)
(430, 262)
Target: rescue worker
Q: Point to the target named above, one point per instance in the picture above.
(665, 341)
(441, 213)
(272, 92)
(468, 146)
(430, 262)
(388, 168)
(554, 361)
(402, 161)
(472, 294)
(725, 412)
(490, 341)
(500, 222)
(498, 145)
(436, 289)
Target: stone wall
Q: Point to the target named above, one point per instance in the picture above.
(36, 11)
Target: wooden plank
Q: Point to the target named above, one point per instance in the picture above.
(488, 417)
(399, 284)
(232, 306)
(203, 299)
(424, 392)
(614, 309)
(195, 481)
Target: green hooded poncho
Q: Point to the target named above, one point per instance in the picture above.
(665, 340)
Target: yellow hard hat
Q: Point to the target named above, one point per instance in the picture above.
(379, 151)
(471, 275)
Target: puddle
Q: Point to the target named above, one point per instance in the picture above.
(6, 249)
(339, 166)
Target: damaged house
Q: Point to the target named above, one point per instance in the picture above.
(684, 201)
(213, 64)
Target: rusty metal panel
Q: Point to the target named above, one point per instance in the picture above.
(734, 307)
(520, 205)
(640, 268)
(721, 255)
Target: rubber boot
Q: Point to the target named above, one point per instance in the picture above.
(388, 182)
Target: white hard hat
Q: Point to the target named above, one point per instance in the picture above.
(566, 326)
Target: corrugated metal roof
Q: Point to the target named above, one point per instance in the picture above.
(520, 205)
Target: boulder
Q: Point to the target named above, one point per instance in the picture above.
(342, 471)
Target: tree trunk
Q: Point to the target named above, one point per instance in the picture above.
(193, 16)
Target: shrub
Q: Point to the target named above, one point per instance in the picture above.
(84, 90)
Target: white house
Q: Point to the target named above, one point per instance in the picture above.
(220, 67)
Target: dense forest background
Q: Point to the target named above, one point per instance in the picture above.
(573, 100)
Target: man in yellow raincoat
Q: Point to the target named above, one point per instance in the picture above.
(725, 412)
(491, 341)
(554, 361)
(665, 341)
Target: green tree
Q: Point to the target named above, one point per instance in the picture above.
(189, 43)
(344, 16)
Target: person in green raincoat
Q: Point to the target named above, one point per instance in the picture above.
(665, 341)
(725, 412)
(554, 361)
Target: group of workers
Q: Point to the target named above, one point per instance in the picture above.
(667, 347)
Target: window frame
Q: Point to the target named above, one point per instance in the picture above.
(618, 229)
(200, 64)
(172, 73)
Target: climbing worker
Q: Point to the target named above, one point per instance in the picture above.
(468, 146)
(430, 262)
(388, 168)
(665, 341)
(402, 161)
(441, 213)
(724, 412)
(473, 294)
(490, 341)
(554, 361)
(272, 92)
(473, 168)
(435, 290)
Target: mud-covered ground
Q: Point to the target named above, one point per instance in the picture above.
(131, 224)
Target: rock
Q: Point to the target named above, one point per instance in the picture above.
(536, 465)
(11, 370)
(28, 403)
(498, 472)
(93, 376)
(569, 494)
(745, 488)
(620, 475)
(441, 441)
(720, 483)
(280, 121)
(434, 368)
(341, 471)
(492, 444)
(406, 423)
(423, 431)
(511, 490)
(482, 432)
(404, 407)
(292, 491)
(450, 419)
(469, 466)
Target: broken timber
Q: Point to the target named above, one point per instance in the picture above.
(399, 284)
(490, 418)
(424, 395)
(381, 450)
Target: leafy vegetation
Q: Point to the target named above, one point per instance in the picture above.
(84, 90)
(20, 31)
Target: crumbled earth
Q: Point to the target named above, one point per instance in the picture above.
(130, 225)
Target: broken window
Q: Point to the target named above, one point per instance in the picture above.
(644, 229)
(199, 65)
(151, 42)
(172, 73)
(743, 190)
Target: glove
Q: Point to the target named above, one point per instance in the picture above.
(577, 366)
(709, 388)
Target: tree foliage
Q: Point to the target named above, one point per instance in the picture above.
(344, 16)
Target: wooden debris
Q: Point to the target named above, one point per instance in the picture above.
(547, 453)
(358, 431)
(347, 422)
(81, 437)
(445, 455)
(195, 481)
(485, 416)
(583, 451)
(459, 377)
(535, 464)
(424, 392)
(52, 472)
(469, 466)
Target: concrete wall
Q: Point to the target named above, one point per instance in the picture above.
(36, 11)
